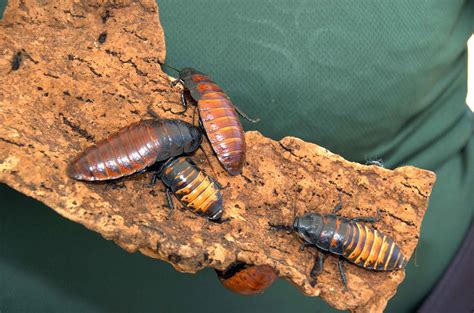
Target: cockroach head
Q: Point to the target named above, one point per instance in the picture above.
(309, 226)
(280, 227)
(187, 72)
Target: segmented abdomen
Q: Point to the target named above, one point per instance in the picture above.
(221, 122)
(369, 248)
(134, 148)
(194, 188)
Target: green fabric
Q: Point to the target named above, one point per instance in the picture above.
(365, 79)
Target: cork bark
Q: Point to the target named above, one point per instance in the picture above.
(88, 68)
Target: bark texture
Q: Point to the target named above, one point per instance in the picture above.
(72, 88)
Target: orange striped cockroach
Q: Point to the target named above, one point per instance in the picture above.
(197, 191)
(350, 239)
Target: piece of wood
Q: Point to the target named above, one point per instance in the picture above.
(72, 88)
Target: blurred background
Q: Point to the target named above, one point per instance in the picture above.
(470, 74)
(49, 264)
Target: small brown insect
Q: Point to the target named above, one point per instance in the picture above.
(134, 148)
(247, 279)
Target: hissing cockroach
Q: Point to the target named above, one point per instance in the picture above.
(196, 190)
(134, 148)
(247, 279)
(350, 239)
(218, 117)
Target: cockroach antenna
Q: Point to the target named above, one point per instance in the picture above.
(169, 66)
(277, 227)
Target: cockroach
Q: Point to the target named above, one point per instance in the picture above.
(218, 116)
(247, 279)
(350, 239)
(197, 191)
(134, 148)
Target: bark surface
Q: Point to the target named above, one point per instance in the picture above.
(88, 68)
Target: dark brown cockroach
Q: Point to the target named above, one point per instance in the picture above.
(247, 279)
(218, 117)
(196, 190)
(350, 239)
(134, 148)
